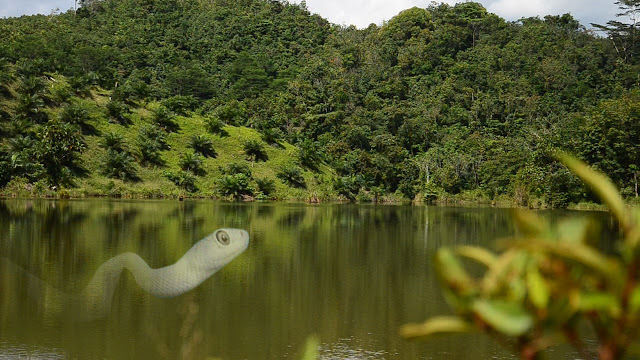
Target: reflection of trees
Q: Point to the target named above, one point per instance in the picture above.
(116, 221)
(185, 214)
(184, 209)
(291, 218)
(466, 226)
(352, 271)
(34, 232)
(265, 211)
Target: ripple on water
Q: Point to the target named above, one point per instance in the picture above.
(349, 349)
(17, 351)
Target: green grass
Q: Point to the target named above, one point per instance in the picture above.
(153, 182)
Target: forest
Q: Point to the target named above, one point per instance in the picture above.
(260, 99)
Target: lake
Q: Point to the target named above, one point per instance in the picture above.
(350, 274)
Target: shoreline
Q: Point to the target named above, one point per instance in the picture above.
(448, 201)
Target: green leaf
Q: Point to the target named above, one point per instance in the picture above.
(589, 257)
(436, 326)
(517, 289)
(580, 253)
(311, 348)
(596, 302)
(538, 288)
(633, 237)
(577, 230)
(452, 272)
(529, 223)
(634, 301)
(493, 280)
(508, 318)
(600, 184)
(480, 255)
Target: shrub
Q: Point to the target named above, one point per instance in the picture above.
(19, 124)
(237, 168)
(31, 85)
(112, 141)
(183, 179)
(5, 168)
(180, 104)
(131, 90)
(22, 160)
(150, 153)
(30, 67)
(272, 136)
(60, 92)
(32, 107)
(215, 126)
(5, 79)
(255, 151)
(292, 175)
(235, 185)
(80, 85)
(193, 163)
(25, 165)
(118, 112)
(233, 113)
(552, 280)
(79, 114)
(266, 186)
(153, 133)
(202, 145)
(310, 155)
(165, 119)
(119, 165)
(151, 141)
(58, 150)
(21, 142)
(348, 186)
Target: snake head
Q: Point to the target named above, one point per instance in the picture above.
(228, 244)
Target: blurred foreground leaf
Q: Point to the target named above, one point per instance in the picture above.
(311, 348)
(538, 288)
(452, 271)
(436, 325)
(509, 318)
(549, 282)
(596, 302)
(600, 184)
(480, 255)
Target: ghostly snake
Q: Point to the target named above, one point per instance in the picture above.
(204, 259)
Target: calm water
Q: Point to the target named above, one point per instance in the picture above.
(350, 274)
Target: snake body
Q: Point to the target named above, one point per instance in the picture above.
(204, 259)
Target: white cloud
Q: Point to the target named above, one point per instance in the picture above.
(362, 12)
(516, 9)
(586, 11)
(17, 8)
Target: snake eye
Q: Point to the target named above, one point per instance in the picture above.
(223, 237)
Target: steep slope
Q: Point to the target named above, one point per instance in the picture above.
(446, 102)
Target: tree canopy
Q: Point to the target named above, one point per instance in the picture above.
(446, 100)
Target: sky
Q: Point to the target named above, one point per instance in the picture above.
(364, 12)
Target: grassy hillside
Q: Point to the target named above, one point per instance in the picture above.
(445, 102)
(152, 181)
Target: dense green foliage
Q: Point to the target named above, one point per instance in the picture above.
(443, 102)
(255, 151)
(202, 145)
(236, 181)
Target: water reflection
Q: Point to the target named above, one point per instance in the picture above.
(204, 259)
(350, 274)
